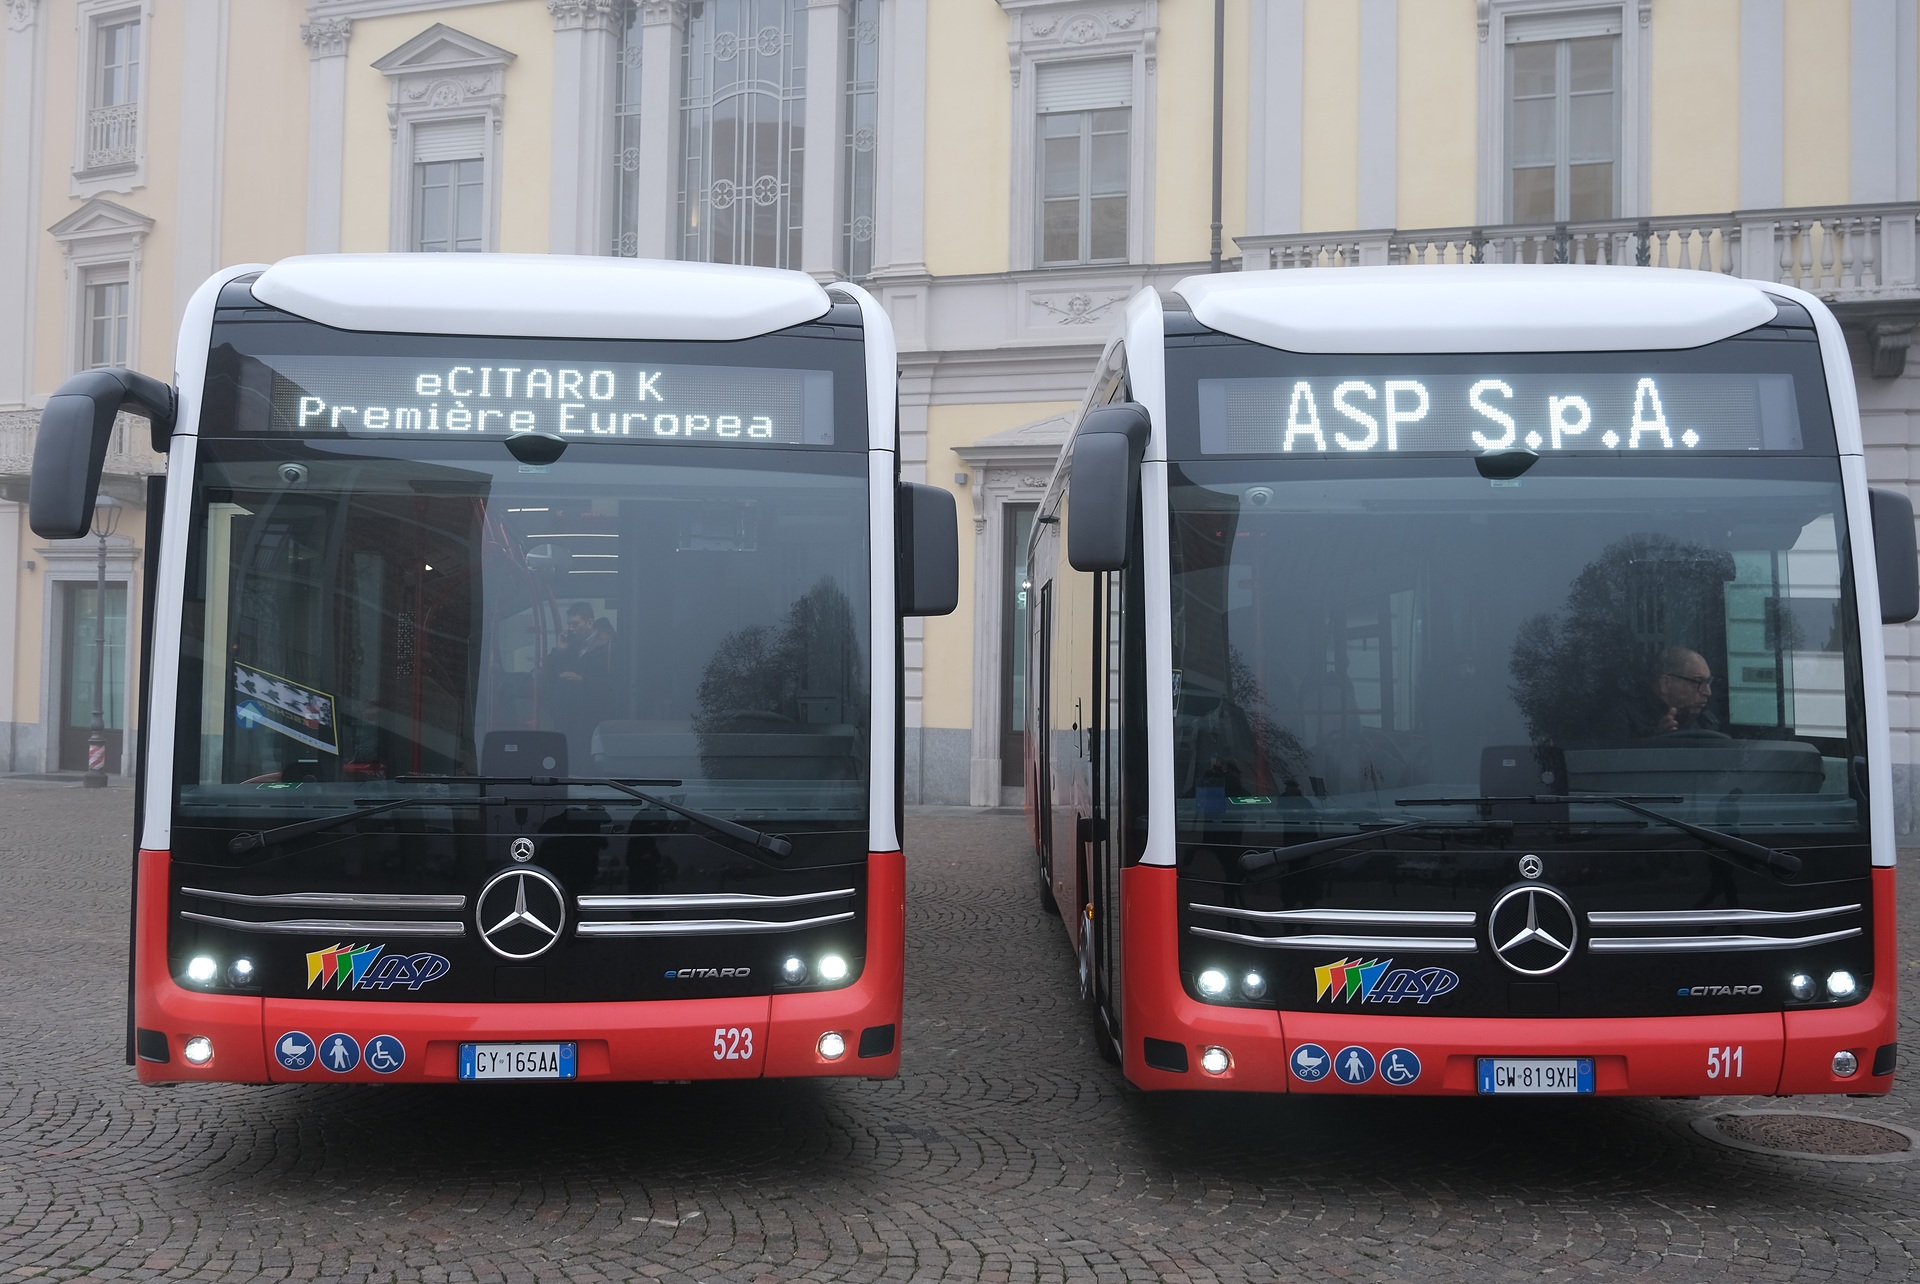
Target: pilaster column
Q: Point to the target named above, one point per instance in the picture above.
(662, 33)
(326, 40)
(580, 213)
(900, 201)
(203, 118)
(825, 165)
(21, 92)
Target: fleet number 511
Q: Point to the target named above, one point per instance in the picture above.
(1726, 1063)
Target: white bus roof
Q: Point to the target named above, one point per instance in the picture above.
(540, 295)
(1477, 307)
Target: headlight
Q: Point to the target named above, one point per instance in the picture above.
(793, 971)
(1800, 985)
(1841, 985)
(1212, 982)
(1253, 985)
(198, 1050)
(240, 972)
(833, 1045)
(1845, 1064)
(201, 969)
(833, 968)
(1215, 1060)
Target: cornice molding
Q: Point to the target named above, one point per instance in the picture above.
(583, 15)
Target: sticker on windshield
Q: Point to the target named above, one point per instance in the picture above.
(263, 699)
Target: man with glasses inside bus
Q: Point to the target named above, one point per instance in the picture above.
(1682, 684)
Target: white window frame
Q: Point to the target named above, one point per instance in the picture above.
(90, 17)
(116, 272)
(1055, 31)
(443, 75)
(101, 241)
(1633, 174)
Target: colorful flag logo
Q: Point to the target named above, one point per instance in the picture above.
(340, 966)
(1348, 978)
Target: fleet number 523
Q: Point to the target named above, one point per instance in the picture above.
(733, 1043)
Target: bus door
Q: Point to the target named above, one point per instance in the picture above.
(1040, 726)
(1103, 795)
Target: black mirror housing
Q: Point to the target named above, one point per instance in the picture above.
(1895, 556)
(929, 568)
(71, 448)
(1103, 486)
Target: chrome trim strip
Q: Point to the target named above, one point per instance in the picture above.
(334, 926)
(335, 900)
(705, 900)
(1434, 944)
(1380, 918)
(1708, 944)
(1680, 918)
(705, 926)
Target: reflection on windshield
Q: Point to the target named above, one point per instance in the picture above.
(1345, 648)
(383, 617)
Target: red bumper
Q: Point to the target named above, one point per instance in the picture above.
(1754, 1054)
(743, 1038)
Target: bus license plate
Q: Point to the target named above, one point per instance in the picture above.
(517, 1060)
(1500, 1075)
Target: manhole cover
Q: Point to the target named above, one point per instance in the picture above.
(1809, 1134)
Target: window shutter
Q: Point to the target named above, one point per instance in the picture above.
(449, 140)
(1083, 86)
(1525, 28)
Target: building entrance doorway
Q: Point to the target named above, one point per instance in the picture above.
(79, 623)
(1013, 644)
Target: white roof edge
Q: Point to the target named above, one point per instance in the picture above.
(1477, 307)
(540, 296)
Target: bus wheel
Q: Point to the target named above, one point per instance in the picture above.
(1086, 956)
(1047, 905)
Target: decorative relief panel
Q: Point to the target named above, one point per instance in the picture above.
(326, 37)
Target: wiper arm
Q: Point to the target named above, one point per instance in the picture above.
(773, 844)
(1774, 862)
(1260, 862)
(240, 844)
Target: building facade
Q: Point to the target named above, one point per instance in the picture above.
(1003, 174)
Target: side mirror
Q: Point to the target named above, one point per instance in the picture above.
(71, 448)
(929, 567)
(1895, 556)
(1103, 486)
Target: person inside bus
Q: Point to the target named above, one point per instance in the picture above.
(575, 672)
(1676, 694)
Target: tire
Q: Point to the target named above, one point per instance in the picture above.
(1047, 903)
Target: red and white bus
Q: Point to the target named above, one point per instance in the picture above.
(1470, 680)
(522, 687)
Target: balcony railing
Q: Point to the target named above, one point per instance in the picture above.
(113, 135)
(1860, 258)
(130, 456)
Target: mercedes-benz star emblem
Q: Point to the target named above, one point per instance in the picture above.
(522, 849)
(1531, 866)
(520, 913)
(1532, 930)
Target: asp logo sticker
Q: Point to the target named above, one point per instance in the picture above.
(1379, 981)
(368, 967)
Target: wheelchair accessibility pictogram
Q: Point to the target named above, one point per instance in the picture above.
(385, 1054)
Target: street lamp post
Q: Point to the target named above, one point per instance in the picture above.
(106, 520)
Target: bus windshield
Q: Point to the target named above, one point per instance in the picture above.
(1352, 648)
(359, 611)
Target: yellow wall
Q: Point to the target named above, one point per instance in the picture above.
(1330, 122)
(523, 28)
(1818, 129)
(1695, 96)
(264, 173)
(969, 160)
(947, 700)
(1438, 107)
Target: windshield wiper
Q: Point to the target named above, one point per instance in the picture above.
(1260, 862)
(240, 844)
(1774, 862)
(771, 843)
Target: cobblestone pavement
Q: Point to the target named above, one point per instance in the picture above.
(1005, 1151)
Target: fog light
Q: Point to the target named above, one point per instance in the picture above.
(240, 972)
(1845, 1064)
(1800, 985)
(1212, 983)
(199, 1050)
(1253, 985)
(1841, 985)
(833, 968)
(1215, 1060)
(793, 971)
(200, 969)
(833, 1046)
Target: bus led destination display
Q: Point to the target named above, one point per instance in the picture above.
(495, 397)
(1479, 410)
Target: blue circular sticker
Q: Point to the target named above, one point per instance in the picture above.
(1399, 1067)
(294, 1051)
(385, 1054)
(1310, 1062)
(1354, 1065)
(339, 1053)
